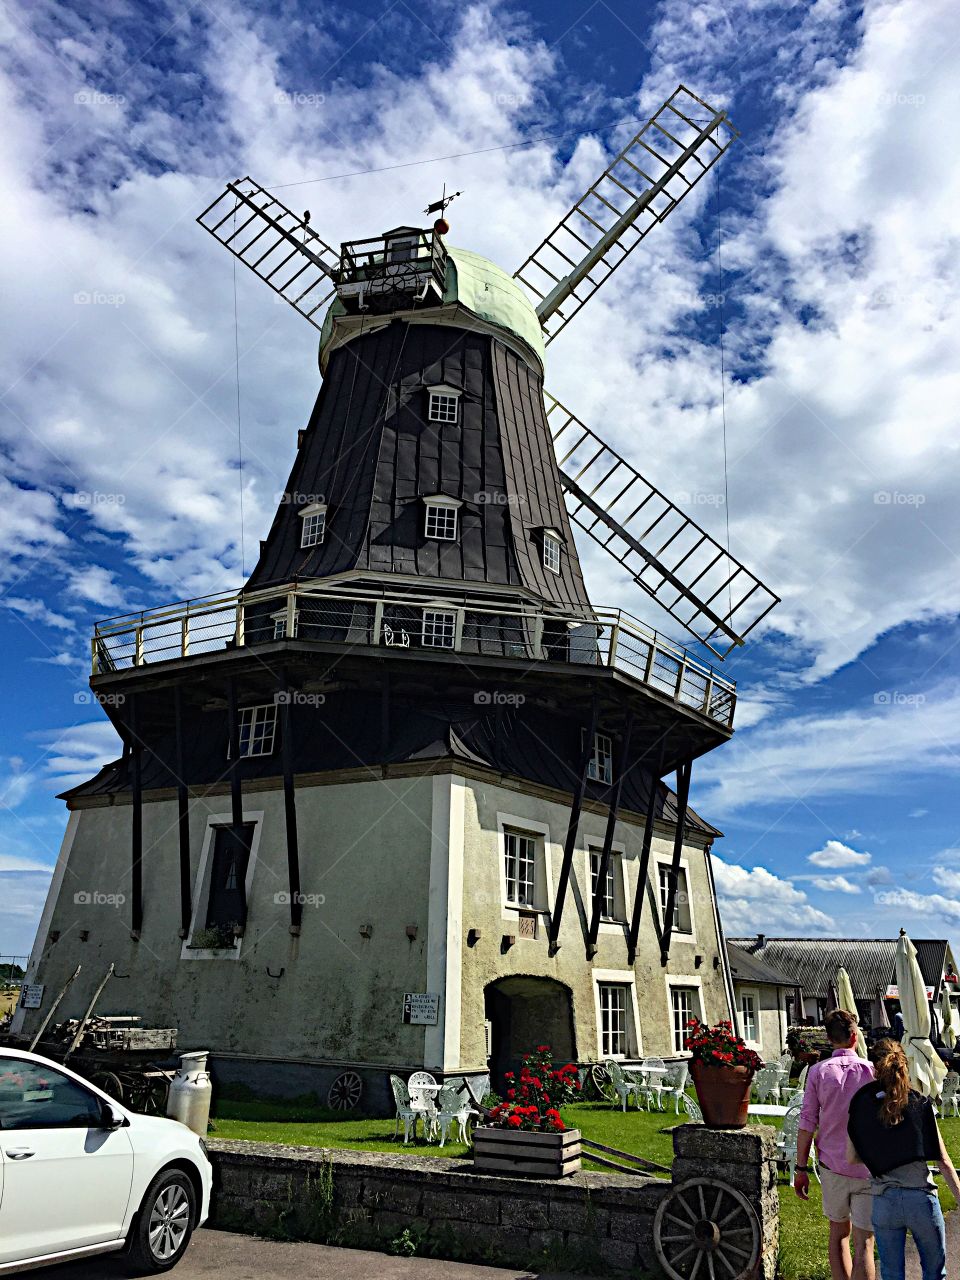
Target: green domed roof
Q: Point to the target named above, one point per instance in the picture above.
(481, 287)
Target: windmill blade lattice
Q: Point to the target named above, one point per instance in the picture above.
(679, 564)
(276, 244)
(644, 184)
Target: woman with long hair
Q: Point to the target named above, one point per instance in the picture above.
(893, 1131)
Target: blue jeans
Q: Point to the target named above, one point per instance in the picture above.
(918, 1211)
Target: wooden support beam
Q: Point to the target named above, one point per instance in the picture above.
(183, 819)
(136, 834)
(236, 789)
(613, 802)
(644, 866)
(572, 827)
(683, 793)
(290, 806)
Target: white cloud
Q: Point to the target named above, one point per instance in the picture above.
(948, 879)
(834, 884)
(74, 754)
(754, 900)
(93, 582)
(836, 854)
(936, 909)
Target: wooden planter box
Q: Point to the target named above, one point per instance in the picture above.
(536, 1155)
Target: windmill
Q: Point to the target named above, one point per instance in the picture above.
(715, 597)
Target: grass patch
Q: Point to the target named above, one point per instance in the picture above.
(304, 1122)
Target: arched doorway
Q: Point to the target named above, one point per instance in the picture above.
(524, 1012)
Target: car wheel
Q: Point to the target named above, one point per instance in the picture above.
(164, 1224)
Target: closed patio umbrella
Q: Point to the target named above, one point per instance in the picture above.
(883, 1017)
(927, 1071)
(951, 1028)
(833, 997)
(846, 1001)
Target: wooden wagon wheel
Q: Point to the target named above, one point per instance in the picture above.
(344, 1093)
(707, 1230)
(109, 1083)
(599, 1077)
(148, 1095)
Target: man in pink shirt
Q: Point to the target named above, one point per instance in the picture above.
(847, 1201)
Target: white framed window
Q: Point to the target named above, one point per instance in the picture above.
(685, 1004)
(600, 768)
(609, 909)
(750, 1016)
(257, 729)
(552, 547)
(441, 521)
(618, 1015)
(280, 624)
(443, 405)
(439, 628)
(613, 1019)
(682, 913)
(217, 879)
(520, 868)
(313, 525)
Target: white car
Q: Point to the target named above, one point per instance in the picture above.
(82, 1175)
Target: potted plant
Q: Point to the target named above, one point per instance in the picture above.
(525, 1133)
(808, 1044)
(722, 1068)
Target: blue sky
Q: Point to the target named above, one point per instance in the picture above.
(120, 470)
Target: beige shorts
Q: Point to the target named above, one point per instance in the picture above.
(847, 1199)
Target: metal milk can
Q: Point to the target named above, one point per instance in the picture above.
(190, 1090)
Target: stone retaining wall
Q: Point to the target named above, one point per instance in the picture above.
(589, 1222)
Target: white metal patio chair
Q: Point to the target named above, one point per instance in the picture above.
(423, 1092)
(694, 1114)
(453, 1109)
(653, 1075)
(949, 1104)
(623, 1087)
(766, 1085)
(787, 1142)
(674, 1085)
(406, 1113)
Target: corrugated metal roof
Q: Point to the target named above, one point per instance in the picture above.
(747, 968)
(870, 962)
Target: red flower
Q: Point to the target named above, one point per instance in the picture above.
(511, 1094)
(514, 1122)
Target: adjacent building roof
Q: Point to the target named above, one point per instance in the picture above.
(747, 968)
(870, 962)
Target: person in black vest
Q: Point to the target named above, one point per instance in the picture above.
(893, 1131)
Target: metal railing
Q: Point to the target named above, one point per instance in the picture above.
(600, 637)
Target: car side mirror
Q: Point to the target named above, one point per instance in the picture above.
(110, 1118)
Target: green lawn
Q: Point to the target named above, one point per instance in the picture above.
(303, 1123)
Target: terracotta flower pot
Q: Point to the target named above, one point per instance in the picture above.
(723, 1094)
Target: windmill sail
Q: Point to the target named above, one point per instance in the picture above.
(679, 564)
(277, 245)
(646, 181)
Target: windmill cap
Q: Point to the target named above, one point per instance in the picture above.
(480, 287)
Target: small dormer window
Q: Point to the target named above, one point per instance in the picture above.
(441, 520)
(443, 404)
(314, 524)
(552, 548)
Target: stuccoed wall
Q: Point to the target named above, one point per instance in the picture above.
(419, 850)
(365, 847)
(484, 909)
(773, 1033)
